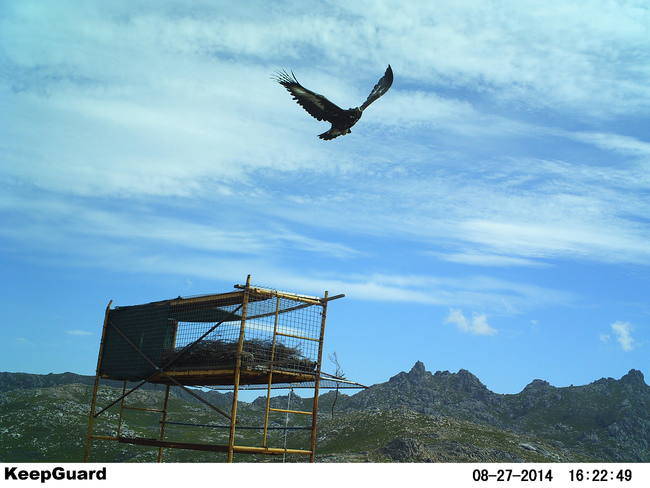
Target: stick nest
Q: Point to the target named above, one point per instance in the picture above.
(256, 354)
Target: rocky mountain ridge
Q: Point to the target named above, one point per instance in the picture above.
(606, 420)
(609, 417)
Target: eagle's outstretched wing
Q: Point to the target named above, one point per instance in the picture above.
(316, 105)
(380, 88)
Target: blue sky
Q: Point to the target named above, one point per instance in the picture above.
(490, 212)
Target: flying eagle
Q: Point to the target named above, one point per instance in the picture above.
(321, 108)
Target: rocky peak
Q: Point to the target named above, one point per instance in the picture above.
(466, 381)
(537, 385)
(417, 373)
(634, 377)
(466, 374)
(463, 381)
(418, 370)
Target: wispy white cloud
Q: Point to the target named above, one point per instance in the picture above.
(78, 332)
(512, 211)
(84, 245)
(550, 55)
(614, 142)
(223, 234)
(481, 259)
(546, 238)
(477, 325)
(623, 333)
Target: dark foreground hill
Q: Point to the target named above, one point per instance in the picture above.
(415, 416)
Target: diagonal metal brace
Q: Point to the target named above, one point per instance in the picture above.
(159, 370)
(156, 372)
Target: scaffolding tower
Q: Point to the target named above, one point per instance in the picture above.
(250, 338)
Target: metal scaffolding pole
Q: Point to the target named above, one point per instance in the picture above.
(120, 418)
(314, 416)
(237, 372)
(93, 402)
(163, 422)
(265, 439)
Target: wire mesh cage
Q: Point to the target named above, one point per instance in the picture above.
(197, 340)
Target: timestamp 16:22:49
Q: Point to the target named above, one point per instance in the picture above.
(600, 475)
